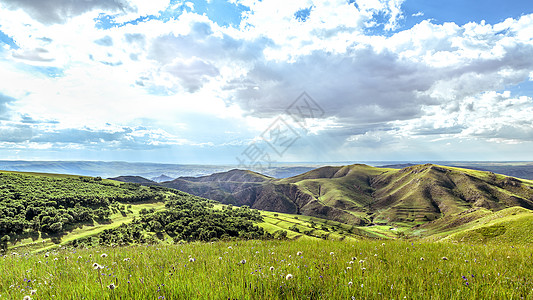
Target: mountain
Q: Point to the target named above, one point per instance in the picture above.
(361, 194)
(134, 179)
(107, 169)
(162, 178)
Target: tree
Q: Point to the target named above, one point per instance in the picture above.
(3, 242)
(56, 227)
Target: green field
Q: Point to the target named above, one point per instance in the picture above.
(260, 270)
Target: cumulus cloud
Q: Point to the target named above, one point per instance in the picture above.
(4, 108)
(429, 82)
(59, 11)
(15, 133)
(192, 73)
(33, 55)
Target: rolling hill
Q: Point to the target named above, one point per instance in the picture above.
(427, 201)
(360, 194)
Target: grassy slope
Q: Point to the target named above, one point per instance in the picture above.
(360, 193)
(422, 193)
(345, 187)
(511, 226)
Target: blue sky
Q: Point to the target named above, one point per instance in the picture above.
(223, 81)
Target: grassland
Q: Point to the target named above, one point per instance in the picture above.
(260, 270)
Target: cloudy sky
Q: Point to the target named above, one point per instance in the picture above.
(214, 81)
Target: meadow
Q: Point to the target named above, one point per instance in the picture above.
(272, 269)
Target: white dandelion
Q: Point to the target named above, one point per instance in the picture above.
(288, 277)
(271, 268)
(103, 255)
(299, 253)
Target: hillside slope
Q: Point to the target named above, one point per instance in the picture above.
(361, 194)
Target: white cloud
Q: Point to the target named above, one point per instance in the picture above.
(440, 81)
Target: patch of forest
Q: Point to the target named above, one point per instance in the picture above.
(52, 206)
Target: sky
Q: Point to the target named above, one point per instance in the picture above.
(257, 82)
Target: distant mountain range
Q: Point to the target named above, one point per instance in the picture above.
(164, 172)
(361, 194)
(157, 172)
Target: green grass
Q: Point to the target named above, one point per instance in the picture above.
(392, 270)
(511, 226)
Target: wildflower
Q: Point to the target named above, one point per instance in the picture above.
(220, 257)
(350, 283)
(79, 257)
(95, 265)
(421, 258)
(127, 259)
(331, 253)
(288, 277)
(271, 268)
(33, 292)
(103, 255)
(299, 253)
(444, 258)
(243, 261)
(111, 286)
(361, 261)
(351, 262)
(348, 268)
(26, 298)
(229, 247)
(192, 259)
(354, 258)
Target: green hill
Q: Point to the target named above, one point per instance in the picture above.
(39, 210)
(510, 226)
(360, 194)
